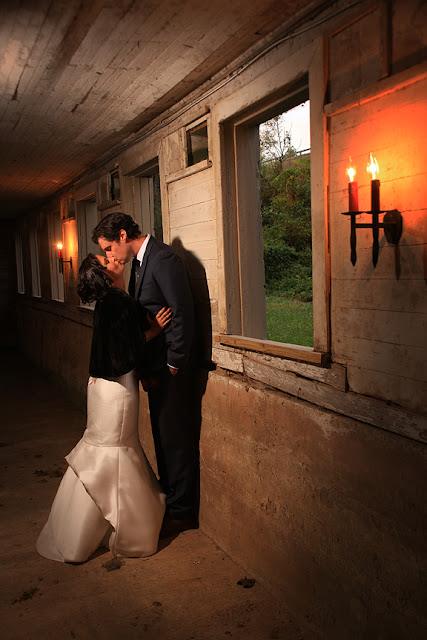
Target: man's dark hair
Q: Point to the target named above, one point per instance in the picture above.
(109, 227)
(94, 281)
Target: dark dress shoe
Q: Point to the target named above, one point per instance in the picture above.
(173, 526)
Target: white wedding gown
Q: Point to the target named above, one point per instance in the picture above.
(109, 494)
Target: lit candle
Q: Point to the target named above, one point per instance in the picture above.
(59, 247)
(373, 169)
(353, 195)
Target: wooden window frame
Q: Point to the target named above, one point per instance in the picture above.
(241, 317)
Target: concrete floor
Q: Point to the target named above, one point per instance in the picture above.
(187, 591)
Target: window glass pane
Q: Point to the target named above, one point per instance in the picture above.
(115, 185)
(286, 225)
(197, 144)
(148, 203)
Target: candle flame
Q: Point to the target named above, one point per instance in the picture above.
(59, 246)
(351, 171)
(372, 167)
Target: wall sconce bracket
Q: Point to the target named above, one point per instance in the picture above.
(391, 223)
(61, 264)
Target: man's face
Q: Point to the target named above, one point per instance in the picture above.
(120, 251)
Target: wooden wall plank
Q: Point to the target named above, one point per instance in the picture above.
(197, 232)
(191, 196)
(389, 387)
(367, 410)
(194, 213)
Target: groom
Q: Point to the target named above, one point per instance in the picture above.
(159, 279)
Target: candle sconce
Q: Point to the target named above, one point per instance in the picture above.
(391, 222)
(61, 259)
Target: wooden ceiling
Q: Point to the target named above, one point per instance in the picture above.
(78, 77)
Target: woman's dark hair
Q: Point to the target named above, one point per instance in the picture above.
(109, 228)
(94, 281)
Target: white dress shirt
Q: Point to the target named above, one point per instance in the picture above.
(141, 252)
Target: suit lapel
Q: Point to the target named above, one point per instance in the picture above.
(143, 267)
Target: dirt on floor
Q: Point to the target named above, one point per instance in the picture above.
(189, 590)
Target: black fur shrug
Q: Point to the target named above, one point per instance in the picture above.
(118, 342)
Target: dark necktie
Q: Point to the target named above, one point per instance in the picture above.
(134, 277)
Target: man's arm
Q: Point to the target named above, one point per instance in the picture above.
(171, 276)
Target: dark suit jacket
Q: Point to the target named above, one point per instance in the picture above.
(163, 282)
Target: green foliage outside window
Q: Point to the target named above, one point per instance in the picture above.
(286, 220)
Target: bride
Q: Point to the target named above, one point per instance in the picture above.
(109, 495)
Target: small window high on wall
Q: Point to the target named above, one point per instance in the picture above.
(197, 142)
(115, 185)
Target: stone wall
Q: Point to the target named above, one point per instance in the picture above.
(325, 510)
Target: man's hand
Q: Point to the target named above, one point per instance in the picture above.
(173, 370)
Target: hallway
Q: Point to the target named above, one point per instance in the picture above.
(187, 591)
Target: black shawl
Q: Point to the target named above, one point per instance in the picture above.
(118, 341)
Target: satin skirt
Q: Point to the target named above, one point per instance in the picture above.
(109, 495)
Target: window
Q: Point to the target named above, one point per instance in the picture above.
(148, 204)
(115, 185)
(87, 213)
(35, 266)
(197, 142)
(68, 208)
(87, 219)
(56, 278)
(19, 264)
(241, 302)
(243, 306)
(285, 203)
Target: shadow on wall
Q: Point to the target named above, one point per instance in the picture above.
(202, 306)
(203, 335)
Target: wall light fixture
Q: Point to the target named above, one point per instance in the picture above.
(61, 260)
(391, 222)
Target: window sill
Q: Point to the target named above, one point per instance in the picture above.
(283, 350)
(188, 171)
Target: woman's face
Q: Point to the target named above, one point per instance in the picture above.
(114, 269)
